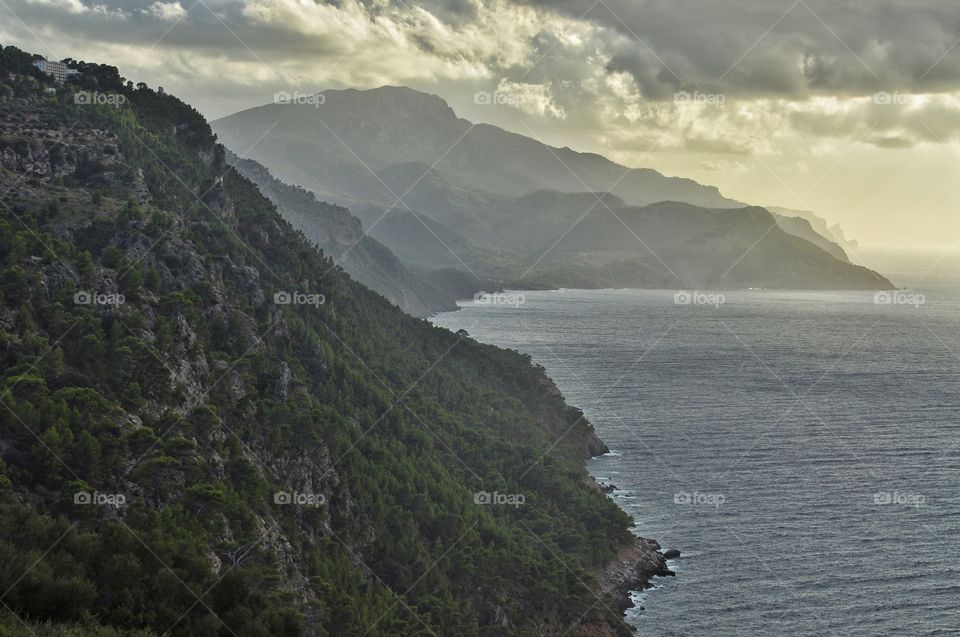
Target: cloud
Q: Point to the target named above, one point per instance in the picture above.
(809, 87)
(604, 76)
(69, 6)
(907, 121)
(757, 48)
(168, 11)
(535, 99)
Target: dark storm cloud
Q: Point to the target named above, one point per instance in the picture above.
(780, 48)
(741, 48)
(609, 69)
(209, 26)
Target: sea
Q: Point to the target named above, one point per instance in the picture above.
(800, 448)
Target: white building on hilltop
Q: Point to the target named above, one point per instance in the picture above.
(57, 70)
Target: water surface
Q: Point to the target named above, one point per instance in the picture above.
(800, 448)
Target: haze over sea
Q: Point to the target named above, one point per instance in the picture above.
(800, 448)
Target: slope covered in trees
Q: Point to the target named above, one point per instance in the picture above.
(340, 235)
(208, 429)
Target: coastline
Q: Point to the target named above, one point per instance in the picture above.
(636, 564)
(633, 571)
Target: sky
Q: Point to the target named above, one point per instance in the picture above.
(849, 108)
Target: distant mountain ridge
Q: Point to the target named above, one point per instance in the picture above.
(801, 227)
(390, 126)
(832, 232)
(339, 234)
(442, 193)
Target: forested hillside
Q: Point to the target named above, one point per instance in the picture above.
(340, 235)
(207, 429)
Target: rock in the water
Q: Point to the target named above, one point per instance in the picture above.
(671, 554)
(606, 487)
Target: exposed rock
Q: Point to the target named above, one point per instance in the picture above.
(140, 191)
(283, 381)
(633, 570)
(595, 446)
(606, 487)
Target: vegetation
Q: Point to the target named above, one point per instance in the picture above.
(340, 235)
(160, 399)
(12, 626)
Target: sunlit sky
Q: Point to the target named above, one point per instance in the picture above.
(849, 108)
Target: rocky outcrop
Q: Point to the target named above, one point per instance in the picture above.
(633, 570)
(595, 446)
(34, 146)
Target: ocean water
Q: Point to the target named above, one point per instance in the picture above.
(802, 449)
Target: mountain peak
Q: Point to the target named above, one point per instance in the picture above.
(403, 99)
(389, 125)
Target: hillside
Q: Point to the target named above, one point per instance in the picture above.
(544, 239)
(209, 429)
(818, 224)
(801, 227)
(676, 245)
(339, 234)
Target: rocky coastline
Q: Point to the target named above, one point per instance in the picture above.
(636, 564)
(633, 570)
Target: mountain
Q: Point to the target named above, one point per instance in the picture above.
(339, 234)
(207, 429)
(833, 233)
(508, 211)
(663, 245)
(337, 147)
(801, 227)
(672, 244)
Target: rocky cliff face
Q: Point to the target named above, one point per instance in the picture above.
(634, 570)
(37, 145)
